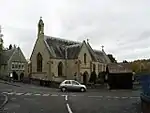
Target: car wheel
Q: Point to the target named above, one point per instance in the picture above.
(63, 89)
(82, 89)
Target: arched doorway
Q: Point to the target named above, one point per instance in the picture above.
(85, 77)
(21, 76)
(15, 76)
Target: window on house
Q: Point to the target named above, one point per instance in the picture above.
(39, 62)
(4, 67)
(12, 66)
(22, 66)
(19, 66)
(94, 67)
(16, 65)
(60, 69)
(84, 58)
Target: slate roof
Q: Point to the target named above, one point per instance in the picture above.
(119, 68)
(73, 51)
(59, 47)
(100, 56)
(93, 55)
(5, 56)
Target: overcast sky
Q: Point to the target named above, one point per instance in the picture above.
(122, 26)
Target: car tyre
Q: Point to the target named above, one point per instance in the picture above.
(63, 89)
(82, 89)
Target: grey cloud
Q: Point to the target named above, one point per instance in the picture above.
(118, 25)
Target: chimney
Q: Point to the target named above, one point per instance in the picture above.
(10, 46)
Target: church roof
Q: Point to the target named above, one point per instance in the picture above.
(59, 47)
(5, 56)
(100, 56)
(73, 51)
(93, 55)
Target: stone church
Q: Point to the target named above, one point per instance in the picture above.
(56, 59)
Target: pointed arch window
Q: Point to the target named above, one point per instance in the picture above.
(94, 67)
(84, 58)
(60, 69)
(39, 62)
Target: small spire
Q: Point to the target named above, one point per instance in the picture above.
(40, 17)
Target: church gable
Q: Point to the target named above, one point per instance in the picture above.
(97, 55)
(39, 47)
(84, 52)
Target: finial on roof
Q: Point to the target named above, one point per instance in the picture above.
(102, 47)
(87, 40)
(1, 35)
(40, 17)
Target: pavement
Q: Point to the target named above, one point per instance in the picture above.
(35, 99)
(3, 101)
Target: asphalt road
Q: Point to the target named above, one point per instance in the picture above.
(33, 99)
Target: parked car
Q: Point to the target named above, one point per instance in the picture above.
(68, 85)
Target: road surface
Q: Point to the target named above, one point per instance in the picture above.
(34, 99)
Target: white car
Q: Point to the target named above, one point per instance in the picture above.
(67, 85)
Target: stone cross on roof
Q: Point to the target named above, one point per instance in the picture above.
(87, 40)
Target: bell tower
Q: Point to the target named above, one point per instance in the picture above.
(40, 27)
